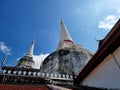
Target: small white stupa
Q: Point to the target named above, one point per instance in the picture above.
(27, 60)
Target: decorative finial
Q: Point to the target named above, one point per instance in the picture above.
(30, 51)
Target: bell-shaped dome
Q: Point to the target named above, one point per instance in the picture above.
(66, 61)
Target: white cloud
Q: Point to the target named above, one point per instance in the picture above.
(5, 49)
(108, 22)
(38, 59)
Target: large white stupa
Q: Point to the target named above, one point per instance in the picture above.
(69, 58)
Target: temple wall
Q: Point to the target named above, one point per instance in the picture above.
(107, 74)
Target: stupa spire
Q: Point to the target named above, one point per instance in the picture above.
(64, 34)
(31, 49)
(65, 38)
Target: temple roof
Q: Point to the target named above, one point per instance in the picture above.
(109, 44)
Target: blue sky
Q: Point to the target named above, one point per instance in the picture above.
(22, 21)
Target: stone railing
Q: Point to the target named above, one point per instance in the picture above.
(36, 74)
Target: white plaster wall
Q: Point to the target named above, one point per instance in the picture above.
(107, 74)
